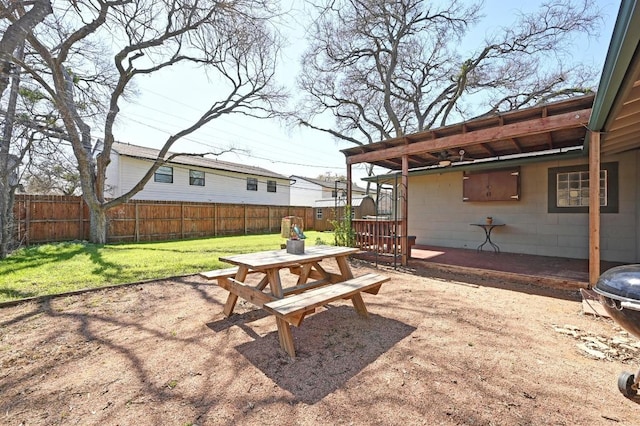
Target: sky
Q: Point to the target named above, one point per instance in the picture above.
(172, 100)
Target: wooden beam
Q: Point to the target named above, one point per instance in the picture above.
(405, 211)
(594, 208)
(349, 185)
(627, 121)
(629, 143)
(623, 132)
(629, 108)
(245, 291)
(535, 126)
(516, 144)
(549, 140)
(488, 149)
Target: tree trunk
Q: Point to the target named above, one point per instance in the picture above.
(9, 165)
(5, 219)
(97, 225)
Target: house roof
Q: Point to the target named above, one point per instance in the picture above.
(549, 127)
(144, 153)
(328, 183)
(616, 107)
(355, 202)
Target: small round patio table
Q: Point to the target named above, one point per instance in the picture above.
(488, 227)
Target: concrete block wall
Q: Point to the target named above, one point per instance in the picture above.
(439, 217)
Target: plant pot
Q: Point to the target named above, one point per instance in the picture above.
(295, 246)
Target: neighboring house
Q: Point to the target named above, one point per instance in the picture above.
(193, 178)
(562, 177)
(307, 191)
(325, 196)
(326, 211)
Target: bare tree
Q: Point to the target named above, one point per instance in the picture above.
(16, 21)
(231, 41)
(51, 170)
(20, 23)
(381, 68)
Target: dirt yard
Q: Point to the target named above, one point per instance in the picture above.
(441, 350)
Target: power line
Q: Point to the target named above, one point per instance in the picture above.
(191, 139)
(222, 119)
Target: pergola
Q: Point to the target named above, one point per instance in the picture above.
(547, 128)
(604, 124)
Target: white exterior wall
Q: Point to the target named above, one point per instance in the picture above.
(220, 186)
(112, 176)
(305, 193)
(439, 217)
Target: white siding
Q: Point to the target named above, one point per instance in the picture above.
(220, 186)
(438, 216)
(112, 175)
(305, 193)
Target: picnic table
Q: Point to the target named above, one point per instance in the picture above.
(315, 286)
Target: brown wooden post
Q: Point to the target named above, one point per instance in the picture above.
(349, 188)
(27, 219)
(182, 220)
(594, 208)
(405, 210)
(215, 220)
(245, 219)
(136, 222)
(81, 221)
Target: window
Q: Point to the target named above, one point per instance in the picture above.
(569, 189)
(572, 189)
(319, 214)
(196, 178)
(252, 184)
(334, 193)
(271, 186)
(164, 174)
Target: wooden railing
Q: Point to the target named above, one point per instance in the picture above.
(381, 236)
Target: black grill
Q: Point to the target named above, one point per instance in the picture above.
(619, 291)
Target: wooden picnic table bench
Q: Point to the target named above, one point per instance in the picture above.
(315, 286)
(293, 309)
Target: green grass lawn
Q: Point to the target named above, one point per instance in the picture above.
(57, 268)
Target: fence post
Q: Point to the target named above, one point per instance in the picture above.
(182, 220)
(245, 219)
(27, 220)
(215, 220)
(136, 222)
(81, 225)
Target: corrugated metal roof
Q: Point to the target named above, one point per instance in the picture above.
(145, 153)
(331, 202)
(329, 184)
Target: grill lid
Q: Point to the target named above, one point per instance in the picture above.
(620, 283)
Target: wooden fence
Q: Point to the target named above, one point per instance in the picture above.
(43, 218)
